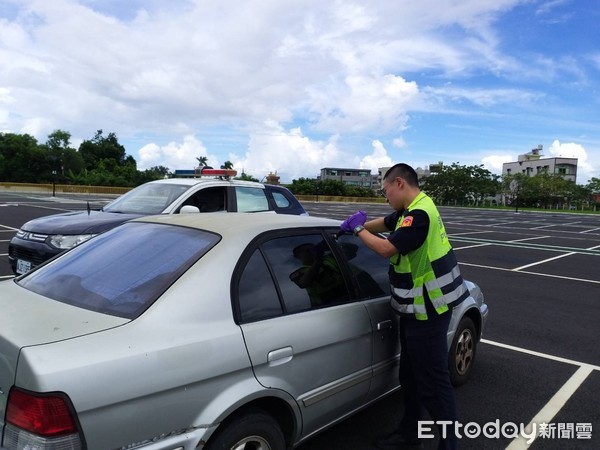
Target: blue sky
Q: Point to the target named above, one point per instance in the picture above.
(294, 86)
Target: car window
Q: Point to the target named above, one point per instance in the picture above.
(210, 199)
(305, 272)
(251, 199)
(258, 298)
(122, 271)
(149, 198)
(369, 270)
(281, 200)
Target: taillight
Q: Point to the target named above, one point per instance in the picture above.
(44, 420)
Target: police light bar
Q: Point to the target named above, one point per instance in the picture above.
(218, 172)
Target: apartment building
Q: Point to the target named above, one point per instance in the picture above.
(533, 163)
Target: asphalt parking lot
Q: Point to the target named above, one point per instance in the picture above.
(539, 362)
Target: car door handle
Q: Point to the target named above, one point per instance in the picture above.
(280, 356)
(385, 325)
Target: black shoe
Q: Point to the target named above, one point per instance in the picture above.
(395, 441)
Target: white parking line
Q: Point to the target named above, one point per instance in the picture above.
(529, 239)
(542, 355)
(561, 277)
(590, 231)
(554, 405)
(544, 226)
(517, 269)
(551, 259)
(471, 246)
(471, 232)
(552, 408)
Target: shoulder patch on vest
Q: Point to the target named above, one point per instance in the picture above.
(407, 221)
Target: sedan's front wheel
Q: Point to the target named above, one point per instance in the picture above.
(462, 352)
(254, 430)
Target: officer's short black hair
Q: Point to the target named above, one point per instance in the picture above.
(403, 171)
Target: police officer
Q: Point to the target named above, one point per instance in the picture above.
(426, 284)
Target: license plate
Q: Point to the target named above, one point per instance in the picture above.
(23, 266)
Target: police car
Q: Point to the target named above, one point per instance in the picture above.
(214, 190)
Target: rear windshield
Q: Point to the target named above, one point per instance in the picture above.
(123, 271)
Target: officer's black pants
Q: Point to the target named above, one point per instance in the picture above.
(424, 376)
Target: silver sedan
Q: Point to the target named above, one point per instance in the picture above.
(203, 332)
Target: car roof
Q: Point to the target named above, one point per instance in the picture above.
(237, 223)
(207, 179)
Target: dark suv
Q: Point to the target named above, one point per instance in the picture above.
(40, 239)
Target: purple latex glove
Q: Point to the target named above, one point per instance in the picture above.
(356, 219)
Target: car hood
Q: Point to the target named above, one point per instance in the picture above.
(79, 222)
(28, 319)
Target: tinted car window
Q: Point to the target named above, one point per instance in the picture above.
(150, 198)
(258, 297)
(370, 271)
(306, 271)
(210, 199)
(141, 260)
(251, 199)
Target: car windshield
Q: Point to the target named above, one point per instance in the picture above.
(123, 271)
(149, 198)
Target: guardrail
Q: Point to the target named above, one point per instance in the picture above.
(62, 188)
(335, 198)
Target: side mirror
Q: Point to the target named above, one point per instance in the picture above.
(188, 209)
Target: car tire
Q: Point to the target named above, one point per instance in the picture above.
(461, 356)
(253, 429)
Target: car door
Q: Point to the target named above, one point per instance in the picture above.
(371, 282)
(304, 334)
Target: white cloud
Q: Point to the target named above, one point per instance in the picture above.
(364, 103)
(190, 64)
(378, 158)
(175, 155)
(290, 153)
(302, 85)
(493, 163)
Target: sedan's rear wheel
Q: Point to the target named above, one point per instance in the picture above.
(254, 430)
(462, 352)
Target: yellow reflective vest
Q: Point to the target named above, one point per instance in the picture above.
(429, 273)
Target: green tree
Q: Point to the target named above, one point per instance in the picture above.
(461, 185)
(101, 148)
(227, 165)
(202, 161)
(22, 159)
(62, 157)
(594, 185)
(153, 173)
(245, 177)
(106, 162)
(304, 186)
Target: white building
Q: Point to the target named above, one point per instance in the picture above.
(532, 164)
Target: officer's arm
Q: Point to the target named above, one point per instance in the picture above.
(376, 225)
(382, 247)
